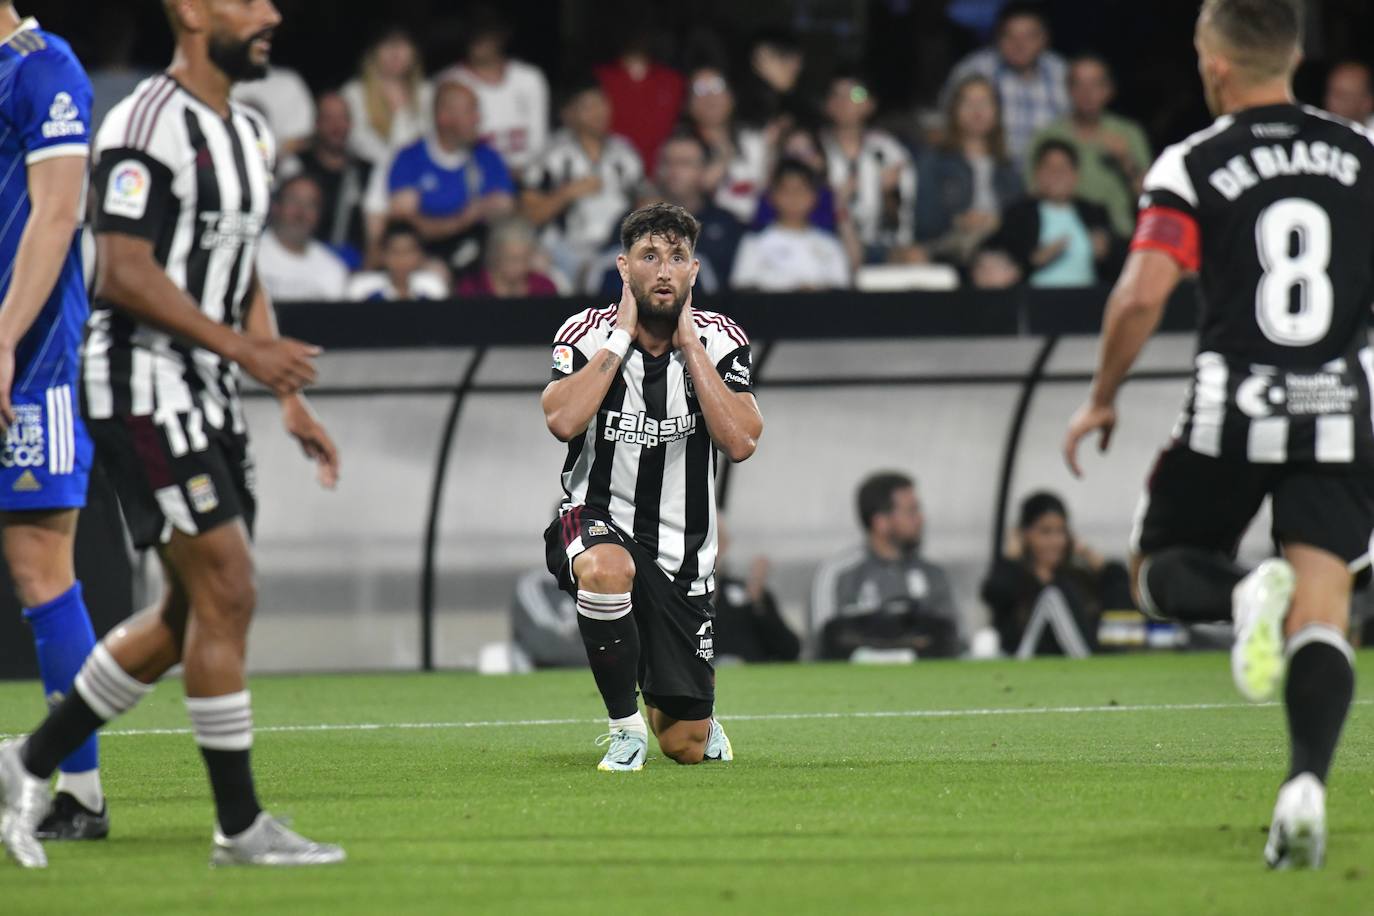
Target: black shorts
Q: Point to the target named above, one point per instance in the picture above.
(676, 630)
(181, 476)
(1193, 500)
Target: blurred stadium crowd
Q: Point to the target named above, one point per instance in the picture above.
(477, 178)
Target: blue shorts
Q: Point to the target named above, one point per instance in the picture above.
(46, 461)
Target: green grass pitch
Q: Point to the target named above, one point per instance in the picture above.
(1126, 785)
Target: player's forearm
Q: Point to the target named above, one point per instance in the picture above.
(261, 319)
(43, 249)
(569, 404)
(1129, 323)
(734, 422)
(145, 293)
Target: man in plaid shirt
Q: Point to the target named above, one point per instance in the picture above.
(1031, 80)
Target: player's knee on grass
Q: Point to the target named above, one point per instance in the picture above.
(685, 742)
(606, 569)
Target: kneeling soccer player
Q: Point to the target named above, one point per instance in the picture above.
(644, 392)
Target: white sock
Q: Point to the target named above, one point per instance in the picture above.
(634, 723)
(84, 787)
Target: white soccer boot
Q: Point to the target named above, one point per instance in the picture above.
(627, 751)
(1259, 604)
(718, 747)
(1297, 835)
(24, 802)
(268, 842)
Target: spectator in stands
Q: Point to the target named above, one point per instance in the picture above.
(885, 595)
(769, 92)
(389, 101)
(1056, 238)
(645, 95)
(509, 269)
(1031, 80)
(791, 254)
(1050, 585)
(403, 274)
(968, 181)
(450, 185)
(292, 264)
(682, 171)
(342, 177)
(285, 101)
(738, 156)
(871, 173)
(582, 183)
(512, 95)
(1113, 153)
(749, 626)
(1350, 92)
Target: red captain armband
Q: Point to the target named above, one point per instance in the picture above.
(1171, 231)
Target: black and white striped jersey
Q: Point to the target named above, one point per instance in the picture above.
(647, 457)
(1274, 207)
(172, 170)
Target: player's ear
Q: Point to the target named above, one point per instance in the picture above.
(696, 269)
(622, 266)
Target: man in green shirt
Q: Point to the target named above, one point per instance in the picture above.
(1112, 151)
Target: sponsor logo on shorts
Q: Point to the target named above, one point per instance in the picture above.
(63, 119)
(25, 443)
(563, 359)
(130, 186)
(203, 496)
(639, 429)
(27, 483)
(706, 642)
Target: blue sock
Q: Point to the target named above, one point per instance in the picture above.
(63, 635)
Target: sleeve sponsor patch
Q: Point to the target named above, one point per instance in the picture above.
(563, 359)
(128, 191)
(64, 120)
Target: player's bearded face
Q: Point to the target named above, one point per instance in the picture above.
(661, 273)
(242, 58)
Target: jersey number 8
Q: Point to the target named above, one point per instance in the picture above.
(1285, 269)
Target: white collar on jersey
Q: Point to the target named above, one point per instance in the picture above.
(27, 25)
(443, 158)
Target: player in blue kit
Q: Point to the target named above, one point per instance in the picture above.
(45, 134)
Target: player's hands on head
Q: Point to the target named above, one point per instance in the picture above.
(282, 364)
(1089, 419)
(686, 331)
(302, 424)
(627, 318)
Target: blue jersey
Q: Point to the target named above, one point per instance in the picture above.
(45, 109)
(447, 182)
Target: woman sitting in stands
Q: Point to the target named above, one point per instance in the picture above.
(510, 266)
(1047, 592)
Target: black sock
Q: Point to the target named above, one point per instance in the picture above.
(612, 649)
(63, 731)
(1189, 585)
(231, 780)
(1317, 696)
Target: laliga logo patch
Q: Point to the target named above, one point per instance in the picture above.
(127, 195)
(563, 359)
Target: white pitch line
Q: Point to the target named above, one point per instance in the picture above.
(744, 717)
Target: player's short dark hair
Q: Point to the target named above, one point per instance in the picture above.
(790, 166)
(1263, 34)
(1054, 145)
(667, 221)
(399, 228)
(1038, 505)
(1022, 9)
(876, 494)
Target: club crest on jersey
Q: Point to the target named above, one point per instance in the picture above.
(130, 185)
(25, 444)
(706, 641)
(563, 359)
(63, 119)
(202, 491)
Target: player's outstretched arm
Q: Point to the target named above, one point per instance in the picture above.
(1134, 310)
(298, 417)
(129, 277)
(55, 187)
(732, 417)
(570, 403)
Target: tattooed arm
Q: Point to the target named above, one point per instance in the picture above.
(570, 403)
